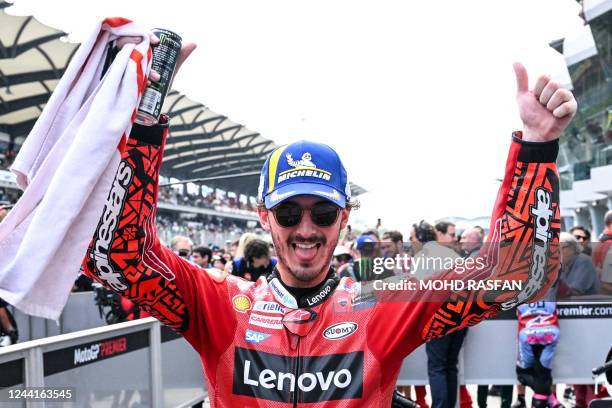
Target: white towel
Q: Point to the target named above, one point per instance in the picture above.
(66, 167)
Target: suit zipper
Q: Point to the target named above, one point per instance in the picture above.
(297, 373)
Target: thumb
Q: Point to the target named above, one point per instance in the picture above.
(522, 80)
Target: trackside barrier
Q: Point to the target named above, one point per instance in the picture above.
(144, 360)
(133, 362)
(488, 355)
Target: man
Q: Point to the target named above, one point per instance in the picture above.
(583, 236)
(445, 233)
(392, 246)
(8, 327)
(202, 256)
(537, 342)
(602, 256)
(343, 262)
(368, 248)
(471, 242)
(182, 246)
(431, 255)
(578, 274)
(442, 352)
(302, 335)
(256, 261)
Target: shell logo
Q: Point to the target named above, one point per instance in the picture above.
(241, 303)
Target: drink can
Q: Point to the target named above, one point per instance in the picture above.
(165, 56)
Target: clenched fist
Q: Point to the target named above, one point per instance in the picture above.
(546, 110)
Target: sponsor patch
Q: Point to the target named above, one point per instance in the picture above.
(252, 336)
(268, 307)
(340, 330)
(269, 322)
(241, 303)
(272, 377)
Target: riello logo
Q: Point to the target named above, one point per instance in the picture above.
(320, 378)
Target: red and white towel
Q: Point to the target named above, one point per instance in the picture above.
(66, 167)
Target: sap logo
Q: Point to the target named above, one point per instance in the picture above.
(340, 330)
(256, 337)
(86, 354)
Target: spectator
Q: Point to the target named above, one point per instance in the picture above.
(471, 242)
(578, 274)
(446, 234)
(256, 261)
(242, 243)
(233, 248)
(423, 238)
(583, 236)
(83, 284)
(202, 256)
(218, 262)
(602, 255)
(537, 341)
(182, 246)
(391, 246)
(8, 327)
(366, 245)
(443, 352)
(343, 262)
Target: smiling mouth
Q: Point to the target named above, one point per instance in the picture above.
(306, 251)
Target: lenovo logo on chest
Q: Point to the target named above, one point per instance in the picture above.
(298, 379)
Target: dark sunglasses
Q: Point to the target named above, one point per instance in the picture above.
(580, 237)
(290, 214)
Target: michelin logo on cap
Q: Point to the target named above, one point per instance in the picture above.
(303, 168)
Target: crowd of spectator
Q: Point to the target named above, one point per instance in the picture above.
(210, 200)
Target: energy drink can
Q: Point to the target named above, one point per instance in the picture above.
(165, 56)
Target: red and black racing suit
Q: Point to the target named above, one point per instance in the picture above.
(259, 345)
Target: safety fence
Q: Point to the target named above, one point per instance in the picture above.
(138, 363)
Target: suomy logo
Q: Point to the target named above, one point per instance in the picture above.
(320, 378)
(340, 330)
(107, 227)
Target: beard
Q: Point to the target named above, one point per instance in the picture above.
(304, 272)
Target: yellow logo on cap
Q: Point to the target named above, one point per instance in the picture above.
(241, 303)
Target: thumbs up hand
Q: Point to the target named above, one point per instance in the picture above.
(546, 110)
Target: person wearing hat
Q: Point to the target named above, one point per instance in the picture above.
(302, 335)
(343, 262)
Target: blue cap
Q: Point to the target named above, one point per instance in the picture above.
(363, 240)
(303, 168)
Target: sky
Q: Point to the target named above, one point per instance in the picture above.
(417, 97)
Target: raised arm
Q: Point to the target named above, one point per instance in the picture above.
(525, 223)
(524, 229)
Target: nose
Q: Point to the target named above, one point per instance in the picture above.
(306, 228)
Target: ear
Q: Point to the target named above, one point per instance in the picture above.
(344, 217)
(264, 218)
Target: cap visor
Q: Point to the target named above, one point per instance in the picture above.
(291, 190)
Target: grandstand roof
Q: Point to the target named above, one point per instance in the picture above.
(202, 144)
(32, 59)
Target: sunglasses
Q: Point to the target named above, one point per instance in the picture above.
(580, 237)
(290, 214)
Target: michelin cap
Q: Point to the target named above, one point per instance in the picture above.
(303, 168)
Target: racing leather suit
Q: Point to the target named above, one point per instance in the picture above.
(259, 345)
